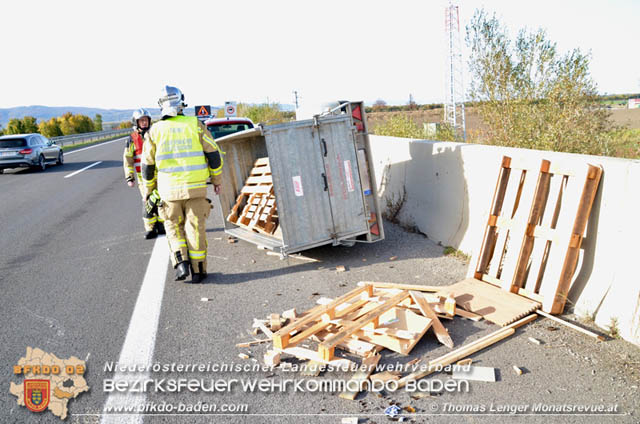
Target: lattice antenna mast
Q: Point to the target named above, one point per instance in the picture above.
(454, 86)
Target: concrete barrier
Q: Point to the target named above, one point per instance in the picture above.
(449, 187)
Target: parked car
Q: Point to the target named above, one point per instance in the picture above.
(219, 127)
(28, 150)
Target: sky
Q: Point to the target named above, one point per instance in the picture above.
(119, 54)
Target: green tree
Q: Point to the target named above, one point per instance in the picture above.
(532, 96)
(125, 124)
(50, 128)
(29, 124)
(66, 126)
(97, 122)
(81, 124)
(75, 124)
(15, 126)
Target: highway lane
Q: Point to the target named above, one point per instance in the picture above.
(71, 264)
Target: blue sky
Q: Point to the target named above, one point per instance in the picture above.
(118, 54)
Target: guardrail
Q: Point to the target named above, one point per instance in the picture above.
(70, 140)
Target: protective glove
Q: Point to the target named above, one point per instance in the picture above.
(153, 201)
(129, 180)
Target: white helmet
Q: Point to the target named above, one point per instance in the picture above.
(137, 114)
(171, 101)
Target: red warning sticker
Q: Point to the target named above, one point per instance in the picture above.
(297, 186)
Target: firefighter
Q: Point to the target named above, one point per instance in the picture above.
(179, 155)
(132, 155)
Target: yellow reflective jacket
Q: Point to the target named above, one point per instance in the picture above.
(176, 147)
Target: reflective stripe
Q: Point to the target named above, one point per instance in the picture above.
(177, 155)
(150, 220)
(199, 254)
(183, 168)
(209, 140)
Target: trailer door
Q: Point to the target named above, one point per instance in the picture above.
(343, 179)
(299, 182)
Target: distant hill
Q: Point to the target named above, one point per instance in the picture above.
(44, 113)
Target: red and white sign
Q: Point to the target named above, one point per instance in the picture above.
(297, 186)
(230, 109)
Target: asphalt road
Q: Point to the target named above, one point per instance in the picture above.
(78, 279)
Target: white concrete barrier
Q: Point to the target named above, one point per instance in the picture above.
(449, 188)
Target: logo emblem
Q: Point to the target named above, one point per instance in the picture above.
(36, 394)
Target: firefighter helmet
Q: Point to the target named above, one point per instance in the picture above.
(171, 101)
(137, 114)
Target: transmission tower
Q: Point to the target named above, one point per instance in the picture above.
(454, 86)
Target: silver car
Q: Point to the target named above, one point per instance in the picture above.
(28, 150)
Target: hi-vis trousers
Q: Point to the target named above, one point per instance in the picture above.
(185, 224)
(149, 221)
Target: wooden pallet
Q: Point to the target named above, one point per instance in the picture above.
(361, 322)
(536, 224)
(255, 206)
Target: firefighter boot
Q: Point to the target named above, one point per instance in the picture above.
(200, 276)
(182, 270)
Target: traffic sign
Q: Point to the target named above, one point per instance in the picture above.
(203, 110)
(230, 109)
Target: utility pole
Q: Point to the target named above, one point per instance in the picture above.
(295, 94)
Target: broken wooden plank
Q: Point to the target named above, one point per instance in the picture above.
(326, 348)
(468, 315)
(303, 353)
(358, 347)
(441, 333)
(281, 338)
(272, 358)
(405, 319)
(263, 328)
(368, 365)
(384, 376)
(274, 320)
(252, 342)
(290, 314)
(570, 325)
(467, 350)
(458, 354)
(416, 287)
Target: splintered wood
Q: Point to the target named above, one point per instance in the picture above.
(370, 319)
(362, 322)
(255, 207)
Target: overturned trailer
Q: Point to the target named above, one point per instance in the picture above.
(318, 175)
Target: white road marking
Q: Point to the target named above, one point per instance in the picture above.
(95, 145)
(83, 169)
(140, 341)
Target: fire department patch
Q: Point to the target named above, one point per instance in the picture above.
(36, 394)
